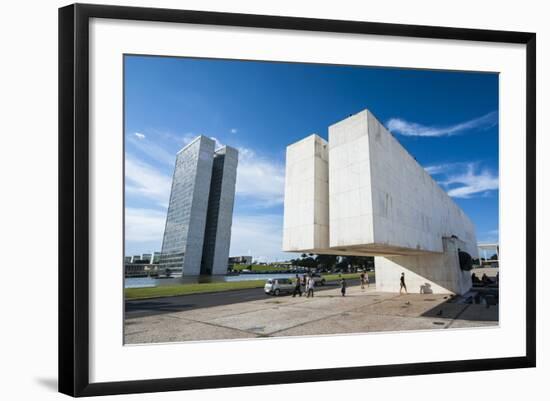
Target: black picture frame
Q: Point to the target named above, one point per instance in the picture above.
(74, 198)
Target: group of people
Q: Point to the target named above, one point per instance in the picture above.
(304, 284)
(485, 279)
(364, 278)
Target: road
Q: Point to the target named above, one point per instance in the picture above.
(157, 306)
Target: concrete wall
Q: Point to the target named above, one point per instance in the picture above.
(382, 200)
(410, 209)
(306, 195)
(429, 273)
(350, 193)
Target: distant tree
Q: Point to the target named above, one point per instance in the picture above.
(494, 257)
(326, 261)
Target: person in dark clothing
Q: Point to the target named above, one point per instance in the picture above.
(486, 280)
(343, 286)
(297, 287)
(362, 278)
(402, 285)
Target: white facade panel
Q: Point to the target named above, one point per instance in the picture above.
(306, 195)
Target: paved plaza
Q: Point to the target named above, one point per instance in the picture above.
(327, 313)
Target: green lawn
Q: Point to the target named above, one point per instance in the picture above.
(186, 289)
(258, 268)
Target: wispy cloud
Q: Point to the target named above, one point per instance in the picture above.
(233, 130)
(408, 128)
(143, 180)
(464, 180)
(218, 143)
(438, 168)
(259, 236)
(144, 225)
(150, 149)
(260, 179)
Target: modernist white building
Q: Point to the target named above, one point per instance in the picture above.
(362, 193)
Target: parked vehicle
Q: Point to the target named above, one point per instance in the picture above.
(277, 286)
(319, 280)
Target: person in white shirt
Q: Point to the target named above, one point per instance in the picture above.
(310, 286)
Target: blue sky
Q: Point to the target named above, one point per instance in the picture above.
(447, 120)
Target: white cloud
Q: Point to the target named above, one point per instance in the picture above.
(471, 182)
(259, 236)
(464, 180)
(437, 168)
(139, 135)
(260, 179)
(152, 150)
(233, 130)
(408, 128)
(144, 180)
(218, 143)
(144, 225)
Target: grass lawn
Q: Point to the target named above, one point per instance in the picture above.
(258, 268)
(186, 289)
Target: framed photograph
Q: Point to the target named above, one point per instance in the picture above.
(250, 199)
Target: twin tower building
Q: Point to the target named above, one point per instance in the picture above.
(198, 223)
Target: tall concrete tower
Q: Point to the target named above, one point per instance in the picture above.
(219, 217)
(197, 234)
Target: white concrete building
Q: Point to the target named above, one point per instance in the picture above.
(379, 201)
(306, 221)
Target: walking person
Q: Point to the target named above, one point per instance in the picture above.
(402, 284)
(310, 286)
(297, 287)
(362, 278)
(343, 286)
(367, 279)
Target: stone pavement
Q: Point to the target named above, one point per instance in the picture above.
(327, 313)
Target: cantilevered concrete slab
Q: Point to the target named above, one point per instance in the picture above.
(381, 202)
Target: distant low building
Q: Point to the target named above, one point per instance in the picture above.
(141, 270)
(240, 260)
(146, 264)
(155, 258)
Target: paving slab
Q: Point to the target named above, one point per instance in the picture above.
(352, 322)
(174, 329)
(271, 320)
(480, 313)
(211, 313)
